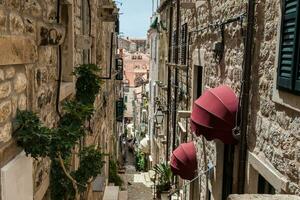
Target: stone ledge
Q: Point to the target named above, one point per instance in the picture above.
(262, 197)
(66, 89)
(17, 50)
(8, 151)
(266, 169)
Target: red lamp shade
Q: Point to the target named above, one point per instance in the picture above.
(214, 114)
(184, 161)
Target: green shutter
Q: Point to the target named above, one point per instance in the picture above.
(297, 74)
(120, 110)
(288, 44)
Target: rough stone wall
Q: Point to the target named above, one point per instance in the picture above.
(29, 74)
(273, 128)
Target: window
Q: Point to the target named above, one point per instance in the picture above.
(264, 187)
(125, 99)
(197, 81)
(288, 74)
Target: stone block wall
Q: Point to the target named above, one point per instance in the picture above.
(29, 73)
(273, 128)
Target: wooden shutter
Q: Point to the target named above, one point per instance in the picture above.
(288, 44)
(119, 110)
(174, 47)
(183, 44)
(297, 73)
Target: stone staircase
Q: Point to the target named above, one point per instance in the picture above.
(114, 193)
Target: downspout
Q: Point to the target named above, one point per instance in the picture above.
(169, 81)
(59, 64)
(187, 81)
(245, 99)
(176, 71)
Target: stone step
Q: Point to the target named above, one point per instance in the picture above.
(123, 195)
(111, 193)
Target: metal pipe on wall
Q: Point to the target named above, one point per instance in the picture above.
(176, 72)
(245, 98)
(169, 80)
(59, 62)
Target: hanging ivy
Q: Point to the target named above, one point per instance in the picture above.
(88, 83)
(58, 143)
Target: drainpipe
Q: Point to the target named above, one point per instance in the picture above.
(245, 98)
(59, 63)
(169, 81)
(176, 71)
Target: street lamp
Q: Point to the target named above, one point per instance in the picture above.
(159, 116)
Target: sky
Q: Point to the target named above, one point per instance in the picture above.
(135, 17)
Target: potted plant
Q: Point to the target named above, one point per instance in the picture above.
(164, 175)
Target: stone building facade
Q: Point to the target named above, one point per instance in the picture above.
(272, 134)
(37, 38)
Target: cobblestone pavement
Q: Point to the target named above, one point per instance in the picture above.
(138, 185)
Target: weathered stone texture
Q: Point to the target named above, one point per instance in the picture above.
(5, 111)
(274, 129)
(10, 72)
(17, 50)
(262, 197)
(3, 21)
(5, 132)
(20, 82)
(5, 89)
(29, 73)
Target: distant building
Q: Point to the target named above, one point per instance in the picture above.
(133, 44)
(136, 68)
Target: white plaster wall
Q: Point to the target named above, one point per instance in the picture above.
(16, 179)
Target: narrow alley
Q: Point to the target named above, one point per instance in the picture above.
(138, 183)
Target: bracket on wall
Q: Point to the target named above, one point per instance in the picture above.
(184, 113)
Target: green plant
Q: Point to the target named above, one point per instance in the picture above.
(113, 174)
(58, 143)
(140, 161)
(91, 164)
(88, 83)
(164, 174)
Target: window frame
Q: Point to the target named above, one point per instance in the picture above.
(282, 84)
(282, 96)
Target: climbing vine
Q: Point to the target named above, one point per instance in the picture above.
(58, 143)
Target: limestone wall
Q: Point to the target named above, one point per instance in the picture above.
(273, 128)
(29, 70)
